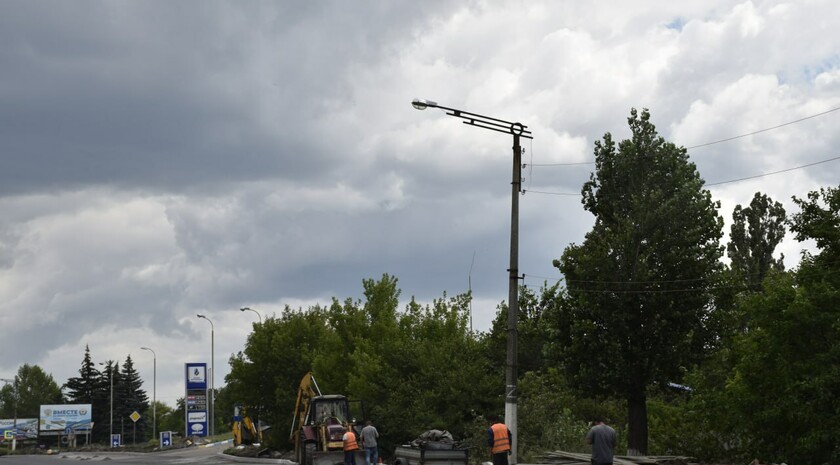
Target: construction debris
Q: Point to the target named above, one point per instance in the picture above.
(571, 458)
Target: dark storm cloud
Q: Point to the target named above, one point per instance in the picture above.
(162, 159)
(177, 97)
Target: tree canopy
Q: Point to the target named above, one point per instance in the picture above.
(31, 388)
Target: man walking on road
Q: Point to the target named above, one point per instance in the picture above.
(369, 435)
(603, 439)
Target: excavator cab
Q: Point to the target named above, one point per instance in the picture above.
(329, 418)
(319, 425)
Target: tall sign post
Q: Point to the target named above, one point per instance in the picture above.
(195, 399)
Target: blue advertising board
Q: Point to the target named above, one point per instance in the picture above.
(196, 376)
(19, 429)
(56, 419)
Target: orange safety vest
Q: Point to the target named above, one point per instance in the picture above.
(501, 440)
(350, 441)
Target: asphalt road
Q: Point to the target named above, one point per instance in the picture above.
(198, 455)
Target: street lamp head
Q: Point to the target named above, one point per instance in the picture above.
(244, 308)
(422, 104)
(200, 315)
(145, 348)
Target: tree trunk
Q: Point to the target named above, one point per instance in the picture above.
(637, 434)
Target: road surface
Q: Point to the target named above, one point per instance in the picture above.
(197, 455)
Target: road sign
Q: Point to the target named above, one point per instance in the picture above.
(9, 434)
(165, 438)
(115, 440)
(134, 416)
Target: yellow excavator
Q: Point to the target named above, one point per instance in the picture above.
(244, 430)
(318, 425)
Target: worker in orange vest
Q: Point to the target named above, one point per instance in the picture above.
(499, 439)
(350, 447)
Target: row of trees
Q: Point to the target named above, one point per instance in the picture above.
(120, 384)
(684, 353)
(651, 328)
(115, 385)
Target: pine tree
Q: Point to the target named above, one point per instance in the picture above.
(132, 398)
(82, 389)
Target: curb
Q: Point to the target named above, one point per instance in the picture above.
(213, 444)
(236, 459)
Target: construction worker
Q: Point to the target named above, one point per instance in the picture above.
(499, 439)
(350, 447)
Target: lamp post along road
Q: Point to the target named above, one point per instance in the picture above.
(110, 368)
(518, 131)
(154, 391)
(212, 416)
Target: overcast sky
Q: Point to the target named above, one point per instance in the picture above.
(162, 159)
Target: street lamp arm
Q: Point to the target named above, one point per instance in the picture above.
(252, 310)
(477, 120)
(212, 327)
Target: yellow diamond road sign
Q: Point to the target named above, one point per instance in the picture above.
(134, 416)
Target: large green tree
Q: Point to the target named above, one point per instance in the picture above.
(639, 284)
(31, 388)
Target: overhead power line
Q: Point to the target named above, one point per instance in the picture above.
(772, 172)
(762, 130)
(746, 178)
(740, 136)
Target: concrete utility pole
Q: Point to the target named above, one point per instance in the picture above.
(518, 130)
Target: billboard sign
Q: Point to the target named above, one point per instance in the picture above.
(196, 376)
(55, 419)
(26, 428)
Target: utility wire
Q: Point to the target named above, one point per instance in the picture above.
(772, 172)
(746, 178)
(712, 142)
(762, 130)
(654, 291)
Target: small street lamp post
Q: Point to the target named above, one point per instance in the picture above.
(212, 415)
(154, 391)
